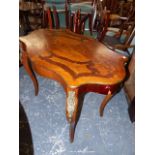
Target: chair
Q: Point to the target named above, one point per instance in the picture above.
(87, 11)
(35, 14)
(67, 57)
(119, 11)
(53, 13)
(115, 43)
(130, 14)
(78, 22)
(116, 38)
(111, 5)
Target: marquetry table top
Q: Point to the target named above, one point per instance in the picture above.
(74, 59)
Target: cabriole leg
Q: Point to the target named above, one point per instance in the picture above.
(28, 68)
(104, 102)
(74, 103)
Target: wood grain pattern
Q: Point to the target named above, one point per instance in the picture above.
(78, 59)
(81, 64)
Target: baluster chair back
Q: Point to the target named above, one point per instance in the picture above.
(87, 9)
(53, 9)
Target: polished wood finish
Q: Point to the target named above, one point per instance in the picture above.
(112, 5)
(54, 12)
(117, 44)
(56, 17)
(104, 24)
(121, 13)
(67, 15)
(49, 18)
(105, 101)
(28, 67)
(83, 14)
(81, 64)
(78, 22)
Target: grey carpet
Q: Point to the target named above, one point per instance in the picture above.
(112, 134)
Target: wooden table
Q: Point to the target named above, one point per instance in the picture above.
(81, 64)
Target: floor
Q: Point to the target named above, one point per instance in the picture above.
(45, 131)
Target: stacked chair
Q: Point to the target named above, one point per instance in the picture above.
(74, 11)
(54, 11)
(87, 11)
(118, 37)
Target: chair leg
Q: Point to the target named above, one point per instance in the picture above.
(90, 24)
(104, 102)
(49, 18)
(55, 13)
(74, 103)
(67, 16)
(28, 68)
(71, 23)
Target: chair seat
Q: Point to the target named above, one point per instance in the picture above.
(85, 8)
(114, 40)
(110, 42)
(121, 52)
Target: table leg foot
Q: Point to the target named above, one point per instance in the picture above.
(28, 68)
(74, 103)
(72, 131)
(104, 102)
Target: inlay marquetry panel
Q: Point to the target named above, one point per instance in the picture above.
(78, 59)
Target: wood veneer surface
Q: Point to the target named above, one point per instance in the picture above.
(75, 59)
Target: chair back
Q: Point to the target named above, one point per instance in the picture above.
(111, 5)
(103, 24)
(52, 13)
(78, 22)
(50, 23)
